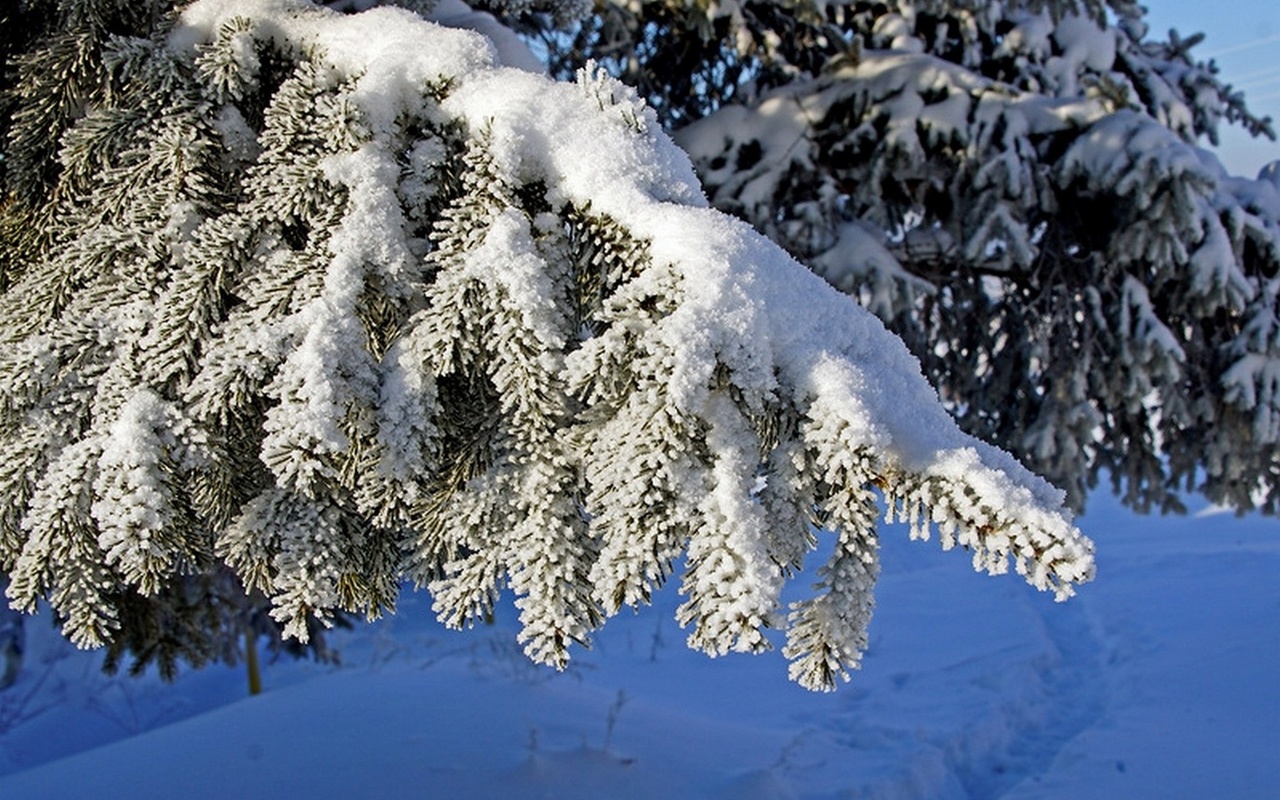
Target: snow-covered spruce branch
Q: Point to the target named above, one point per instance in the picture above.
(384, 309)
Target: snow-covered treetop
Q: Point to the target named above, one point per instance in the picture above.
(337, 300)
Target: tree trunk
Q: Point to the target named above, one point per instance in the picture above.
(251, 661)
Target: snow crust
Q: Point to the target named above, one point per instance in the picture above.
(1157, 682)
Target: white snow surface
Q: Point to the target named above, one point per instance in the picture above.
(1157, 681)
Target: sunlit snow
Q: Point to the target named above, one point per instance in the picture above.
(1157, 681)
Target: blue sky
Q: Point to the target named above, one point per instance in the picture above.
(1243, 37)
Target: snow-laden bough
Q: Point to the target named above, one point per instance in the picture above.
(389, 310)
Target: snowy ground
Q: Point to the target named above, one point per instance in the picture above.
(1159, 681)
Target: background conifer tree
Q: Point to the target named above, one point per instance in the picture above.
(1015, 188)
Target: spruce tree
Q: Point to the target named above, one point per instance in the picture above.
(314, 304)
(1016, 188)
